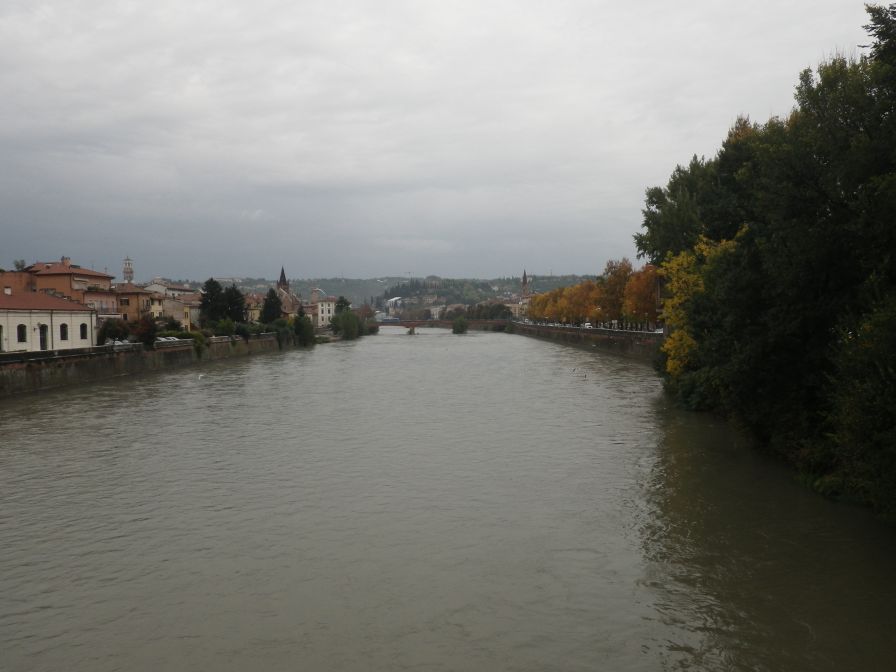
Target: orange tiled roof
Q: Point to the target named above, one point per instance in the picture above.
(39, 301)
(129, 288)
(58, 268)
(191, 296)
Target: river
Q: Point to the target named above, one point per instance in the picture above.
(428, 502)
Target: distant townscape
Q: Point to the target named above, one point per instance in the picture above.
(61, 305)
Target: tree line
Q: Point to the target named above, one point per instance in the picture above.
(779, 259)
(620, 295)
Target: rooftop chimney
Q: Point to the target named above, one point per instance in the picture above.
(66, 261)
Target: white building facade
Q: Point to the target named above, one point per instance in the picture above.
(34, 321)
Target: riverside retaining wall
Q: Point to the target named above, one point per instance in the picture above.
(641, 344)
(32, 372)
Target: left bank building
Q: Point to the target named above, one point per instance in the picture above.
(34, 321)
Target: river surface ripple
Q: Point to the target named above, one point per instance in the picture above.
(429, 502)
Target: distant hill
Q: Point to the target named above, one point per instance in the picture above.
(451, 290)
(373, 290)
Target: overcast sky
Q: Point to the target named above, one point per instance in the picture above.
(458, 138)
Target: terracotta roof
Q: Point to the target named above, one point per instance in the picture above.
(39, 301)
(58, 268)
(129, 288)
(188, 299)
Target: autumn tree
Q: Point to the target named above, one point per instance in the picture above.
(579, 301)
(639, 302)
(615, 278)
(144, 331)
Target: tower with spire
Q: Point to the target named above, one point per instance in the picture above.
(283, 283)
(525, 287)
(127, 270)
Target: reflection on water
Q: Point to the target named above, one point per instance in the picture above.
(755, 573)
(437, 502)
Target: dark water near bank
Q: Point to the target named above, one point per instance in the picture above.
(436, 502)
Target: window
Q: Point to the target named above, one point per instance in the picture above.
(124, 301)
(83, 331)
(22, 333)
(63, 332)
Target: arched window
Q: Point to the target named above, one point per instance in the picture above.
(22, 333)
(63, 332)
(83, 331)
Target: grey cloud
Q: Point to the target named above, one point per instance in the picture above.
(468, 138)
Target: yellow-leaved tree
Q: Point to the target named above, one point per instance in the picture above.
(684, 273)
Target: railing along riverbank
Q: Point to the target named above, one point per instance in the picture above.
(641, 344)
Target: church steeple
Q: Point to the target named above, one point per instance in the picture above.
(525, 284)
(283, 283)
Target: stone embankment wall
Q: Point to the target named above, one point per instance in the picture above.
(31, 372)
(639, 344)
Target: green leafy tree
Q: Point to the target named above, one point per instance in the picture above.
(863, 416)
(342, 304)
(234, 303)
(460, 325)
(225, 327)
(272, 308)
(112, 330)
(781, 273)
(347, 325)
(304, 330)
(212, 307)
(172, 324)
(19, 264)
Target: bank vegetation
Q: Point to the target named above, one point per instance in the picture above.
(778, 256)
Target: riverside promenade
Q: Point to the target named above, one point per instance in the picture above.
(641, 344)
